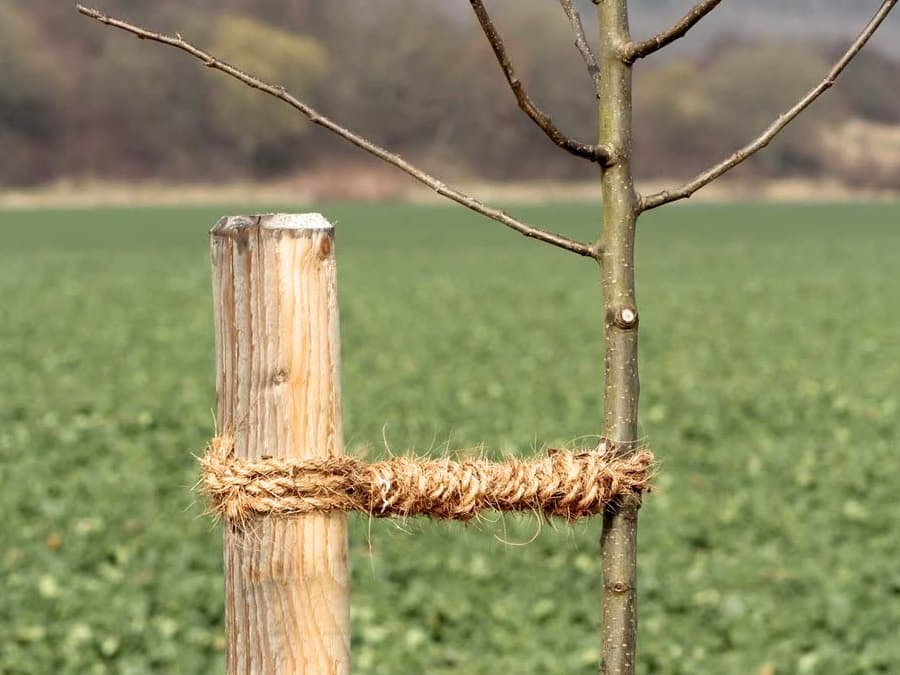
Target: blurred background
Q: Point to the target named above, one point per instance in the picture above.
(769, 352)
(80, 103)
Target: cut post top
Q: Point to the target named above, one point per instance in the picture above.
(272, 221)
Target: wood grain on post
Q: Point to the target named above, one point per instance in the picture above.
(278, 387)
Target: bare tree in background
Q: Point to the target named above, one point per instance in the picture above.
(610, 72)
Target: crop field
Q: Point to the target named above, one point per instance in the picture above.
(770, 355)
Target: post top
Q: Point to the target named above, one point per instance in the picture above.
(273, 221)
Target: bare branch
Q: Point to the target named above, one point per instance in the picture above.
(708, 176)
(595, 153)
(638, 50)
(581, 43)
(317, 118)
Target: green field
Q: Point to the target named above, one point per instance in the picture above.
(771, 392)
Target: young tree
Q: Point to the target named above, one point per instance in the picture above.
(610, 72)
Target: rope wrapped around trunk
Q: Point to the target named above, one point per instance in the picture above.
(562, 483)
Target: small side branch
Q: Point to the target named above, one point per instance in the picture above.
(315, 117)
(595, 153)
(638, 50)
(581, 43)
(708, 176)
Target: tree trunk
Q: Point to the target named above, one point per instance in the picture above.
(278, 386)
(620, 209)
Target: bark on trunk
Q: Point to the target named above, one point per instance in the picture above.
(620, 209)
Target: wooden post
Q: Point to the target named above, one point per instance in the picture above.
(278, 387)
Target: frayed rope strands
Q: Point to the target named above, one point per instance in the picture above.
(563, 483)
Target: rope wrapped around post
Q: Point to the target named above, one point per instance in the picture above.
(561, 483)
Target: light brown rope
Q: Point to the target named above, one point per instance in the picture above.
(562, 483)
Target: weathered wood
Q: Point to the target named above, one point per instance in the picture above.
(278, 387)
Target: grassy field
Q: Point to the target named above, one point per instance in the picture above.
(771, 391)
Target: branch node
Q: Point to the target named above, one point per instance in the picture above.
(618, 588)
(611, 154)
(625, 317)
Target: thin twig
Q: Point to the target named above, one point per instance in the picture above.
(315, 117)
(595, 153)
(708, 176)
(581, 43)
(638, 50)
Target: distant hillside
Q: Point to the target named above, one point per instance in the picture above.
(803, 19)
(78, 100)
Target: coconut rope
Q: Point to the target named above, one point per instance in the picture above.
(562, 483)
